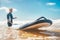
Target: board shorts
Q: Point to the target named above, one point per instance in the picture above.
(9, 24)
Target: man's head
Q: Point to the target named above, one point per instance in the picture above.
(10, 10)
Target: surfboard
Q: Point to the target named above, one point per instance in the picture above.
(37, 24)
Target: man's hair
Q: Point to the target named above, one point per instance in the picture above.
(10, 9)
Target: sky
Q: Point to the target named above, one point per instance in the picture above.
(30, 9)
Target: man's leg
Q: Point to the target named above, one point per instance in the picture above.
(9, 24)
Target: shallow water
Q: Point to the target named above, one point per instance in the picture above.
(7, 33)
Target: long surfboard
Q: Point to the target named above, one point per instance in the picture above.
(37, 24)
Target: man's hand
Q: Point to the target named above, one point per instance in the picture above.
(14, 17)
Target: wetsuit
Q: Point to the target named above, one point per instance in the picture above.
(10, 19)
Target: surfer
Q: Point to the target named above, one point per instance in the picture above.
(10, 18)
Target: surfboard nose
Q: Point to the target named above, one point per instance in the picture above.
(43, 19)
(46, 21)
(49, 21)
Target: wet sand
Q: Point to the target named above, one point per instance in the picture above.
(7, 33)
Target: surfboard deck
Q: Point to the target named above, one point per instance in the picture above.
(37, 26)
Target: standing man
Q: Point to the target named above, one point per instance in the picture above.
(10, 18)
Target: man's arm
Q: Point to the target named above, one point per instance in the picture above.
(13, 17)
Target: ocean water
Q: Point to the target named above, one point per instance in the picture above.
(46, 33)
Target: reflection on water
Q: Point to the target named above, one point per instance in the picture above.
(37, 35)
(12, 34)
